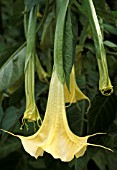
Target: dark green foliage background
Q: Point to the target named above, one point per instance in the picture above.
(102, 116)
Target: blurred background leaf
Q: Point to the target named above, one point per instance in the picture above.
(99, 118)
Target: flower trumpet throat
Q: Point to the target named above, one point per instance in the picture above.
(54, 135)
(75, 94)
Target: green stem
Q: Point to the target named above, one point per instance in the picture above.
(25, 22)
(44, 16)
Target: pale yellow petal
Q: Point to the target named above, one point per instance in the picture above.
(75, 94)
(81, 152)
(30, 144)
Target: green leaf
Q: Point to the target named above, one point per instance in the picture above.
(68, 48)
(74, 115)
(85, 64)
(1, 113)
(103, 10)
(79, 7)
(10, 146)
(7, 52)
(17, 95)
(83, 34)
(59, 40)
(18, 6)
(37, 163)
(106, 160)
(32, 3)
(74, 30)
(110, 44)
(40, 88)
(47, 39)
(102, 113)
(12, 70)
(10, 117)
(110, 28)
(81, 163)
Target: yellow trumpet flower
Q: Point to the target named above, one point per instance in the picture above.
(31, 113)
(54, 136)
(75, 93)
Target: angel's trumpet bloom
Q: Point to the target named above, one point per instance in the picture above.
(75, 93)
(54, 136)
(105, 85)
(31, 113)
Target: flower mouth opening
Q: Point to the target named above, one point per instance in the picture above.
(107, 92)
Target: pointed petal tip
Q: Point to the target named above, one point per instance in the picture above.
(36, 157)
(99, 133)
(8, 132)
(100, 146)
